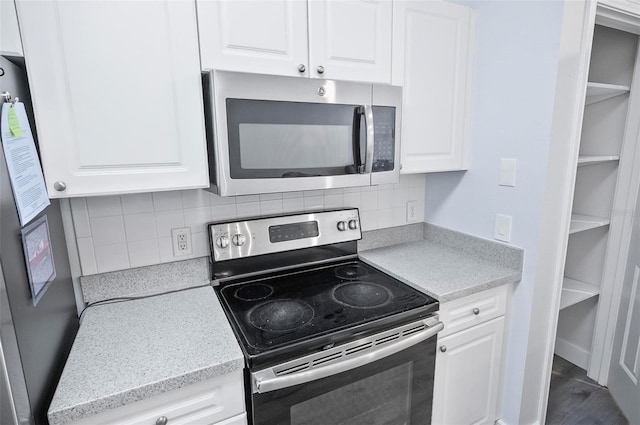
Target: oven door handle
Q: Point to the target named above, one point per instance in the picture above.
(266, 380)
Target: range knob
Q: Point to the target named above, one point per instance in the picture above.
(239, 239)
(342, 226)
(353, 224)
(222, 242)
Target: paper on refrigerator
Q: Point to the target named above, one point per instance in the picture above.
(23, 163)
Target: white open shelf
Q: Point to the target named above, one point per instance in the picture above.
(596, 159)
(581, 223)
(597, 92)
(575, 291)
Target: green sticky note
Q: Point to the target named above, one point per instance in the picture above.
(14, 123)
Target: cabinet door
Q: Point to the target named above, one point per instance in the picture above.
(117, 94)
(432, 49)
(350, 40)
(467, 377)
(268, 37)
(9, 34)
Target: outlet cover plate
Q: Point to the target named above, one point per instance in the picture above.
(181, 241)
(412, 211)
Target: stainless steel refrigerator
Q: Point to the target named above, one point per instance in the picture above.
(34, 340)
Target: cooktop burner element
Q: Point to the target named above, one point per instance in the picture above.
(361, 294)
(352, 271)
(280, 315)
(257, 291)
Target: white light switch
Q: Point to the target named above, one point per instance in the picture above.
(503, 228)
(507, 172)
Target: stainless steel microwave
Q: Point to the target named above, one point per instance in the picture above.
(279, 134)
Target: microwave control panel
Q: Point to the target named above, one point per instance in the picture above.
(384, 138)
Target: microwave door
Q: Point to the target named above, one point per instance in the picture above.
(278, 146)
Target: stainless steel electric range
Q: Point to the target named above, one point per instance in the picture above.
(327, 339)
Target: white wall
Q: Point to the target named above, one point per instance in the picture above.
(120, 232)
(516, 61)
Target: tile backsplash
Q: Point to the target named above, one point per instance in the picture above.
(121, 232)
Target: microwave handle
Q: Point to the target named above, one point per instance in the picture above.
(357, 143)
(370, 134)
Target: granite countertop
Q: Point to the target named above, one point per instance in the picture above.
(129, 351)
(446, 264)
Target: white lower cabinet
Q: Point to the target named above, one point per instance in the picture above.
(469, 362)
(219, 401)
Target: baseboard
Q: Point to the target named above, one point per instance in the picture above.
(572, 353)
(503, 422)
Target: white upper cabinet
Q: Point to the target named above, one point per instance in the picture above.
(9, 33)
(117, 95)
(432, 60)
(350, 40)
(269, 37)
(336, 39)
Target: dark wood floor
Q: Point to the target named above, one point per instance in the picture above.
(574, 399)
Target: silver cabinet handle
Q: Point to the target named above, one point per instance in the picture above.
(320, 69)
(302, 68)
(162, 420)
(266, 380)
(476, 311)
(60, 186)
(443, 348)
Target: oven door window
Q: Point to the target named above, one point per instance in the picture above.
(269, 139)
(395, 390)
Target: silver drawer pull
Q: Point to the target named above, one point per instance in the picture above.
(443, 348)
(162, 420)
(476, 311)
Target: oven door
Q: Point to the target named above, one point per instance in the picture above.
(374, 387)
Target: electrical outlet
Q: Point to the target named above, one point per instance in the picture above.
(412, 211)
(181, 239)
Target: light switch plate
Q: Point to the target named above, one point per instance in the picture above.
(502, 230)
(507, 172)
(412, 211)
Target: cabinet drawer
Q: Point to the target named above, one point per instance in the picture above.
(472, 310)
(205, 403)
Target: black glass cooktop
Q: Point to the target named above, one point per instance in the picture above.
(272, 312)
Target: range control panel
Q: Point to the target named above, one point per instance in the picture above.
(242, 239)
